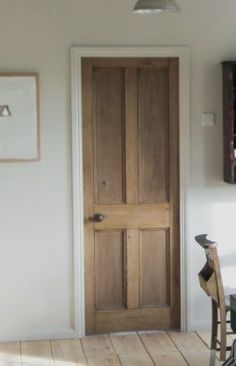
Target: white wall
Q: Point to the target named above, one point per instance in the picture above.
(36, 267)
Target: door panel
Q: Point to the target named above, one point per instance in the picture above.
(154, 268)
(109, 270)
(108, 118)
(131, 177)
(153, 102)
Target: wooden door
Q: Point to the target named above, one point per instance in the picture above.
(131, 181)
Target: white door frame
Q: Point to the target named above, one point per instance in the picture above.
(77, 53)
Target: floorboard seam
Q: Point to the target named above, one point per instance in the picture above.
(178, 349)
(199, 336)
(83, 350)
(117, 354)
(154, 363)
(20, 353)
(52, 352)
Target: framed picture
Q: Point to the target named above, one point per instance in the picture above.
(19, 117)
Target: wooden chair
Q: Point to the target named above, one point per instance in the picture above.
(231, 361)
(211, 282)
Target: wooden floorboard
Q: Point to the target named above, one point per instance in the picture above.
(68, 352)
(99, 351)
(99, 345)
(136, 360)
(154, 348)
(129, 343)
(36, 353)
(156, 341)
(205, 336)
(161, 349)
(194, 351)
(173, 358)
(104, 360)
(10, 353)
(130, 349)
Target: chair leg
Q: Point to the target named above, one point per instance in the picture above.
(223, 341)
(214, 325)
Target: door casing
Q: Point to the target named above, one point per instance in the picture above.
(77, 53)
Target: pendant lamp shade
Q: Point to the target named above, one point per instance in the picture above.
(156, 6)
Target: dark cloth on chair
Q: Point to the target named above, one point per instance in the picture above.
(231, 361)
(233, 312)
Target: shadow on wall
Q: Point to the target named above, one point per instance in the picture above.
(212, 136)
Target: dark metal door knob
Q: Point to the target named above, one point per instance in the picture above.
(98, 217)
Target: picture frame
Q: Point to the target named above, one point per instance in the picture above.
(19, 117)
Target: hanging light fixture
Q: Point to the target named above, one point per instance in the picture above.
(156, 6)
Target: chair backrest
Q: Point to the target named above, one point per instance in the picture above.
(210, 276)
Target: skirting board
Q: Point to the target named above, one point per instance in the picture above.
(201, 325)
(39, 335)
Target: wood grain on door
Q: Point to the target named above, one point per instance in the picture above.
(131, 178)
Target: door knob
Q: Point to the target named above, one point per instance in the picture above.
(98, 217)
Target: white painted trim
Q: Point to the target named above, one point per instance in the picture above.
(76, 55)
(77, 182)
(201, 325)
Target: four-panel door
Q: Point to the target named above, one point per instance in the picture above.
(131, 188)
